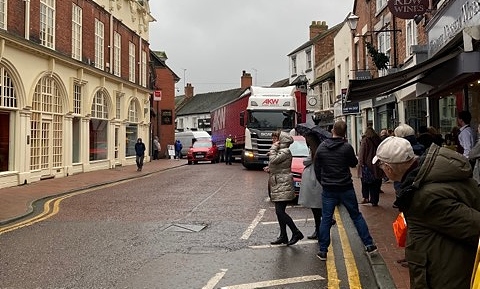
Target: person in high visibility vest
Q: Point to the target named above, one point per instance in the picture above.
(228, 150)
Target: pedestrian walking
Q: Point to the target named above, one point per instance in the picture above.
(281, 185)
(441, 205)
(228, 149)
(310, 195)
(139, 153)
(333, 160)
(156, 148)
(178, 149)
(370, 175)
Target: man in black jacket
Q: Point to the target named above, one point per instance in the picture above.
(333, 160)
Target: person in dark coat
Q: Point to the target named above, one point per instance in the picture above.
(139, 153)
(372, 181)
(333, 160)
(310, 195)
(441, 205)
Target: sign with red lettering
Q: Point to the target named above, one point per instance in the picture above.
(269, 102)
(157, 95)
(408, 9)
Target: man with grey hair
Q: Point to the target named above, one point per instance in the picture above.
(441, 205)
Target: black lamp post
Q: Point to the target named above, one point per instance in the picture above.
(352, 21)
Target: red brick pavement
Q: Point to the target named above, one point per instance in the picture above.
(16, 202)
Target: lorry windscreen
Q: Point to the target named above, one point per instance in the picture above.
(271, 119)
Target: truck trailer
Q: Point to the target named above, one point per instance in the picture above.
(253, 117)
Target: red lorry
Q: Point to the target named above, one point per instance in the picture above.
(252, 117)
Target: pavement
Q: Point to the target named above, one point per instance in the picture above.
(17, 203)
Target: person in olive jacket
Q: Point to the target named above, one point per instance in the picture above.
(281, 185)
(441, 204)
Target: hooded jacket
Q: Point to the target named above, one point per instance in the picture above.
(280, 177)
(441, 205)
(333, 160)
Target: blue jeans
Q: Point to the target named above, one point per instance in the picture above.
(330, 200)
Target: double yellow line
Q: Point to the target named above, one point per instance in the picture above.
(50, 208)
(349, 259)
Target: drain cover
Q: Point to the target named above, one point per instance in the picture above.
(187, 228)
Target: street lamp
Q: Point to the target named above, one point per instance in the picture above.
(352, 21)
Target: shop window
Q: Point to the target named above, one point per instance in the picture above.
(98, 147)
(98, 139)
(4, 140)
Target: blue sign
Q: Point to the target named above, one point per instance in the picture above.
(351, 108)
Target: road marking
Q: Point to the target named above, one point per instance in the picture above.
(275, 246)
(277, 282)
(215, 279)
(52, 207)
(252, 226)
(350, 264)
(295, 221)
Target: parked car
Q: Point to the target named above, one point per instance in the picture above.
(300, 151)
(201, 151)
(187, 138)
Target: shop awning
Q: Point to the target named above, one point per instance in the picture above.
(359, 90)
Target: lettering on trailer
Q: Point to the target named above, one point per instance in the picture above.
(270, 102)
(218, 119)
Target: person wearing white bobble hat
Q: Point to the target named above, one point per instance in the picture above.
(441, 204)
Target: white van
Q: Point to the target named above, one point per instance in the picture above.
(186, 138)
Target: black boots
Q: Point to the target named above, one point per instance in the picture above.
(280, 240)
(297, 236)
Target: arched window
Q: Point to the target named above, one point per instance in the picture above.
(99, 127)
(8, 100)
(46, 131)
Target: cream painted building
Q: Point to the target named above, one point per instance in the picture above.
(74, 87)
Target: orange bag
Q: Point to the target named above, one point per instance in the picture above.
(400, 230)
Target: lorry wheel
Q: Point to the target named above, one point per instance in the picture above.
(195, 162)
(213, 161)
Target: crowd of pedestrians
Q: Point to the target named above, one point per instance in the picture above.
(437, 185)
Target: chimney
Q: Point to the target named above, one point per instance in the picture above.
(188, 90)
(317, 27)
(246, 80)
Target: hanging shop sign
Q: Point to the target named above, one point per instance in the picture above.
(408, 9)
(157, 95)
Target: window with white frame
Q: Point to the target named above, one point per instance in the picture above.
(309, 59)
(144, 68)
(410, 36)
(99, 44)
(294, 65)
(131, 62)
(327, 93)
(8, 97)
(384, 46)
(77, 98)
(76, 32)
(46, 125)
(133, 111)
(118, 104)
(3, 14)
(47, 23)
(117, 53)
(381, 4)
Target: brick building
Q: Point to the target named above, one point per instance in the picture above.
(75, 89)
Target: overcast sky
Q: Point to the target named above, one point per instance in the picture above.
(210, 42)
